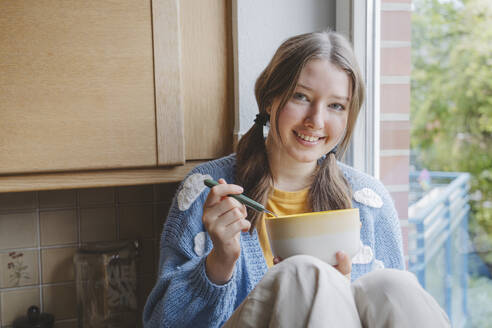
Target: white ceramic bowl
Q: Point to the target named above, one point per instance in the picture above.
(320, 234)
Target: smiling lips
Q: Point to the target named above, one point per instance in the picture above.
(308, 138)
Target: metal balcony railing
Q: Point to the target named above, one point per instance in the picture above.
(438, 239)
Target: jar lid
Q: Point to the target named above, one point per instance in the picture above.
(109, 247)
(34, 319)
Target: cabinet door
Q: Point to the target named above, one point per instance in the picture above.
(194, 54)
(76, 85)
(207, 64)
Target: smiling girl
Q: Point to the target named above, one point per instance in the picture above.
(215, 257)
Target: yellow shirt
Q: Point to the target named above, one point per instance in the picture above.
(281, 203)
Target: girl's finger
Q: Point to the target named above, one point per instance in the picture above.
(220, 191)
(344, 263)
(222, 181)
(236, 227)
(218, 217)
(219, 209)
(229, 217)
(277, 260)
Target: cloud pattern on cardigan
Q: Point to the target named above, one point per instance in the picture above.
(192, 188)
(368, 197)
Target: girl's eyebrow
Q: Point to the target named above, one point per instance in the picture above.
(304, 86)
(339, 98)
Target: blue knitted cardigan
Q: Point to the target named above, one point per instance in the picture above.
(184, 296)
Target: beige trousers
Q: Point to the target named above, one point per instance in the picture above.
(303, 291)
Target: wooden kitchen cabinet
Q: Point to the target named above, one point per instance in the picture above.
(105, 85)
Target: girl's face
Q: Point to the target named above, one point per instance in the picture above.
(314, 120)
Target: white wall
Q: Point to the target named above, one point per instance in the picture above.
(260, 26)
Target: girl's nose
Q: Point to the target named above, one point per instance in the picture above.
(314, 118)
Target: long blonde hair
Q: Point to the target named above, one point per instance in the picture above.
(329, 189)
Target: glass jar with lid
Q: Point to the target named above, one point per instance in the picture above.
(106, 285)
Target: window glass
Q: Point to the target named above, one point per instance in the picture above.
(450, 199)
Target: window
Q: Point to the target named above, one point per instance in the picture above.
(451, 158)
(434, 155)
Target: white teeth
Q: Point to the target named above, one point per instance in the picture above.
(307, 138)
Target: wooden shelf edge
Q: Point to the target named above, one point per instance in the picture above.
(94, 179)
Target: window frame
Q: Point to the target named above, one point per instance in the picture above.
(360, 22)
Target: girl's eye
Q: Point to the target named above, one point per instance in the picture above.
(337, 107)
(300, 96)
